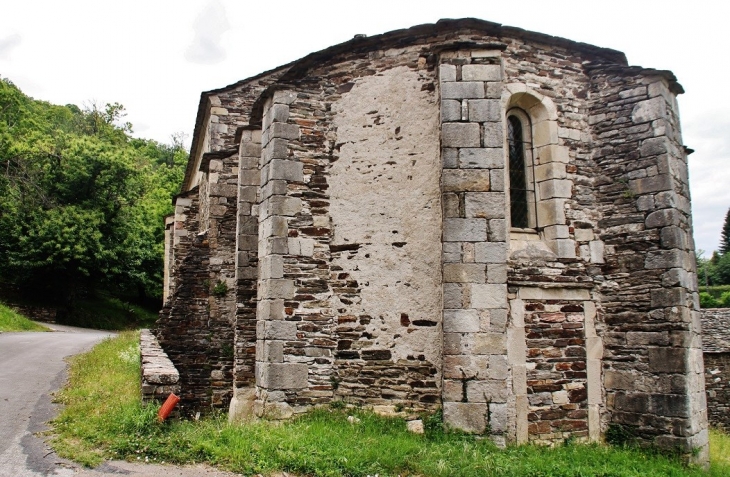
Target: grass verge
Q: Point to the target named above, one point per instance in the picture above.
(103, 418)
(10, 320)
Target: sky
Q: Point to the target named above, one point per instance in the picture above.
(156, 56)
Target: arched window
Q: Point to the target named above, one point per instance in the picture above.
(521, 176)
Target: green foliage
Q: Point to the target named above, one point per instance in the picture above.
(220, 289)
(725, 235)
(620, 436)
(81, 202)
(103, 418)
(10, 320)
(709, 301)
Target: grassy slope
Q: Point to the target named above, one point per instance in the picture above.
(10, 320)
(103, 418)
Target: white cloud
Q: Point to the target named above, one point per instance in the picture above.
(209, 27)
(9, 43)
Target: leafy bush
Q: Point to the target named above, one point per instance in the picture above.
(708, 301)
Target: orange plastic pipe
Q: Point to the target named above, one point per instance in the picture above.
(167, 407)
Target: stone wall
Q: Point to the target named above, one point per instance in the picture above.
(371, 231)
(653, 361)
(716, 347)
(717, 382)
(158, 375)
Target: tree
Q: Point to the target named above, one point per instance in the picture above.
(725, 235)
(81, 202)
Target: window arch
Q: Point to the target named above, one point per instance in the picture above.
(521, 171)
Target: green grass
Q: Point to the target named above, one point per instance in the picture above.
(10, 320)
(103, 419)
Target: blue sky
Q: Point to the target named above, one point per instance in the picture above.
(156, 56)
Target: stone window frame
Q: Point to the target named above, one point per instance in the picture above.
(529, 170)
(550, 158)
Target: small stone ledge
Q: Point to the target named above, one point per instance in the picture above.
(159, 375)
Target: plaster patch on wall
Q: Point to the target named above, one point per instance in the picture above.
(385, 196)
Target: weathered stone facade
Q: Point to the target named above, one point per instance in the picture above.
(345, 232)
(716, 347)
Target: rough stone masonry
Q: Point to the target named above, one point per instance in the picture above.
(461, 215)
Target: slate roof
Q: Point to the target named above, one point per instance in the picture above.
(716, 330)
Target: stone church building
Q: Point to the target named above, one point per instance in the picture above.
(459, 215)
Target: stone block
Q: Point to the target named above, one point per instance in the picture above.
(462, 90)
(454, 295)
(552, 153)
(280, 330)
(447, 72)
(677, 277)
(279, 169)
(559, 188)
(498, 230)
(661, 182)
(284, 131)
(545, 132)
(550, 171)
(551, 212)
(494, 89)
(673, 237)
(563, 248)
(498, 367)
(465, 230)
(534, 293)
(461, 321)
(663, 218)
(670, 405)
(270, 351)
(481, 73)
(489, 295)
(497, 182)
(649, 110)
(664, 259)
(485, 110)
(460, 135)
(449, 158)
(488, 205)
(583, 235)
(278, 113)
(490, 252)
(270, 309)
(272, 266)
(481, 158)
(452, 390)
(450, 111)
(487, 391)
(277, 148)
(464, 273)
(283, 97)
(668, 360)
(274, 227)
(493, 136)
(277, 288)
(490, 344)
(668, 297)
(283, 205)
(653, 146)
(597, 250)
(458, 180)
(249, 149)
(281, 375)
(468, 417)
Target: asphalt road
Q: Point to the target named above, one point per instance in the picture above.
(32, 367)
